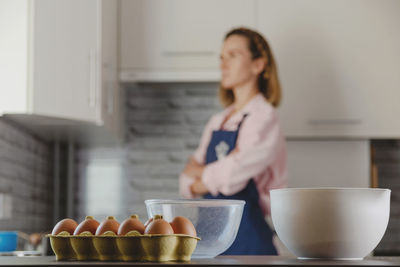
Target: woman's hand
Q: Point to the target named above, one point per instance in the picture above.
(198, 188)
(193, 168)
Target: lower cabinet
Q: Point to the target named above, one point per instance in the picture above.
(328, 163)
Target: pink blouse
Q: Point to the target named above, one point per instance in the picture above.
(260, 154)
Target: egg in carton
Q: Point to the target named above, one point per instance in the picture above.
(157, 240)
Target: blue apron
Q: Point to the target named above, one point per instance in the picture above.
(254, 236)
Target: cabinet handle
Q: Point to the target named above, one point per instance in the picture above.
(335, 122)
(92, 78)
(188, 53)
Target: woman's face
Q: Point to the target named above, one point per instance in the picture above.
(237, 66)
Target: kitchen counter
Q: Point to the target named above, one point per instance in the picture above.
(220, 260)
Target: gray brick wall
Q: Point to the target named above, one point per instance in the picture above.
(164, 123)
(387, 158)
(25, 177)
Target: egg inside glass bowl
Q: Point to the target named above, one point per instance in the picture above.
(216, 221)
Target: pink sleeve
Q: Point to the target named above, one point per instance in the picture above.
(277, 179)
(199, 155)
(257, 148)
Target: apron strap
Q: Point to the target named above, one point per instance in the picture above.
(239, 125)
(241, 121)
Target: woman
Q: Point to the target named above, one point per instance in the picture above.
(242, 152)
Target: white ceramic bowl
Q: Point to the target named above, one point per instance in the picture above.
(330, 223)
(216, 221)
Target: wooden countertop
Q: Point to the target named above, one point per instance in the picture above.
(220, 260)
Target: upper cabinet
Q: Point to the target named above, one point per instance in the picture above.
(59, 60)
(339, 66)
(177, 39)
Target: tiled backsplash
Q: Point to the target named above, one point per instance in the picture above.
(25, 179)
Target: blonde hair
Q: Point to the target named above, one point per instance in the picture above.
(268, 82)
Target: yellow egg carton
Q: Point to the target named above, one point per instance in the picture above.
(131, 247)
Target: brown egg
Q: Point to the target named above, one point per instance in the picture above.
(159, 226)
(110, 224)
(88, 225)
(182, 225)
(131, 224)
(65, 225)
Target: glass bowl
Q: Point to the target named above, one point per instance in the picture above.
(216, 221)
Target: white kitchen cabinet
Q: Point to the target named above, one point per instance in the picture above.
(59, 60)
(339, 66)
(177, 39)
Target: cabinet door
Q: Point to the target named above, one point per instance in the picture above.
(109, 73)
(328, 163)
(65, 59)
(339, 65)
(178, 34)
(111, 101)
(13, 55)
(109, 33)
